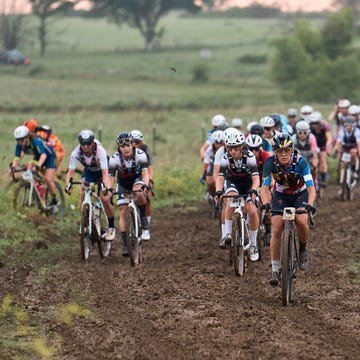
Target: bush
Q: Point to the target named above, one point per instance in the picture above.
(253, 59)
(200, 73)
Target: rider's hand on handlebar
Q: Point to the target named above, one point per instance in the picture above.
(217, 195)
(266, 207)
(310, 209)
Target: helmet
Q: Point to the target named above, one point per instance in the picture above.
(282, 141)
(267, 121)
(349, 119)
(123, 138)
(302, 126)
(137, 135)
(218, 120)
(353, 110)
(250, 125)
(315, 117)
(236, 122)
(306, 110)
(31, 124)
(276, 118)
(86, 137)
(217, 136)
(344, 103)
(257, 129)
(21, 132)
(292, 112)
(45, 128)
(234, 137)
(253, 141)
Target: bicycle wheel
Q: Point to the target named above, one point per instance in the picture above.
(287, 266)
(85, 232)
(238, 251)
(132, 239)
(104, 246)
(59, 209)
(22, 201)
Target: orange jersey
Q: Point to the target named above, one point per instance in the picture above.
(55, 142)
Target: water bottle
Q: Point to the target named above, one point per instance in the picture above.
(41, 189)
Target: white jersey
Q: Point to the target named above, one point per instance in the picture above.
(218, 155)
(96, 161)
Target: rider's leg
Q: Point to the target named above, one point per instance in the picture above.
(277, 225)
(253, 222)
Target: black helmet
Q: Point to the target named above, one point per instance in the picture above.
(124, 138)
(276, 118)
(282, 141)
(349, 119)
(86, 137)
(257, 129)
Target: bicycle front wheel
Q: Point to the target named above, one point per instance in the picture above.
(287, 266)
(23, 199)
(132, 238)
(238, 251)
(85, 232)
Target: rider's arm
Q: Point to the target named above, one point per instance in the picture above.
(70, 174)
(311, 195)
(265, 192)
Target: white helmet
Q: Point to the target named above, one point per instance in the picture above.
(302, 126)
(218, 120)
(306, 110)
(253, 141)
(292, 112)
(217, 136)
(236, 122)
(267, 121)
(344, 103)
(21, 132)
(234, 137)
(353, 110)
(250, 125)
(315, 117)
(137, 135)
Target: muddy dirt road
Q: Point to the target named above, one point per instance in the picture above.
(184, 301)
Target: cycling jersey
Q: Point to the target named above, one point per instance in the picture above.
(37, 147)
(321, 135)
(349, 140)
(295, 178)
(306, 148)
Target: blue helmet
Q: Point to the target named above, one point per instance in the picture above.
(124, 138)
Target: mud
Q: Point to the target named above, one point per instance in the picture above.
(184, 301)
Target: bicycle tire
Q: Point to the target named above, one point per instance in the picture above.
(85, 237)
(21, 198)
(132, 239)
(238, 251)
(104, 246)
(287, 263)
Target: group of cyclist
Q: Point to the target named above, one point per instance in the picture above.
(130, 165)
(280, 161)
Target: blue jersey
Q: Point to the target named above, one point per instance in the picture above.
(295, 178)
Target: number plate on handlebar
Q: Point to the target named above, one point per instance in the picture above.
(27, 175)
(236, 202)
(346, 157)
(289, 213)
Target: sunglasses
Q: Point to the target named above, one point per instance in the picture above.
(234, 148)
(267, 128)
(21, 140)
(219, 142)
(302, 132)
(255, 148)
(124, 142)
(136, 141)
(283, 151)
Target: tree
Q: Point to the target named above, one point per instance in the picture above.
(44, 9)
(212, 4)
(11, 24)
(142, 14)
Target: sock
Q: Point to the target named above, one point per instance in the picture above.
(148, 219)
(228, 226)
(111, 222)
(123, 237)
(276, 266)
(142, 210)
(253, 237)
(223, 233)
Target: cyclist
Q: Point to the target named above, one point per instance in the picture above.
(44, 157)
(294, 187)
(217, 138)
(249, 127)
(292, 118)
(306, 145)
(268, 124)
(321, 129)
(348, 140)
(237, 123)
(92, 155)
(239, 175)
(305, 111)
(138, 142)
(338, 115)
(131, 167)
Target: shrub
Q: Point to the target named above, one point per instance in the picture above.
(200, 73)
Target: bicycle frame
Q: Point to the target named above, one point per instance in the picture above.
(345, 175)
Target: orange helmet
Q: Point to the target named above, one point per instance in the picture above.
(31, 124)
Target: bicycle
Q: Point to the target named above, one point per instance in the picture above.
(133, 227)
(240, 234)
(289, 252)
(33, 192)
(345, 177)
(94, 221)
